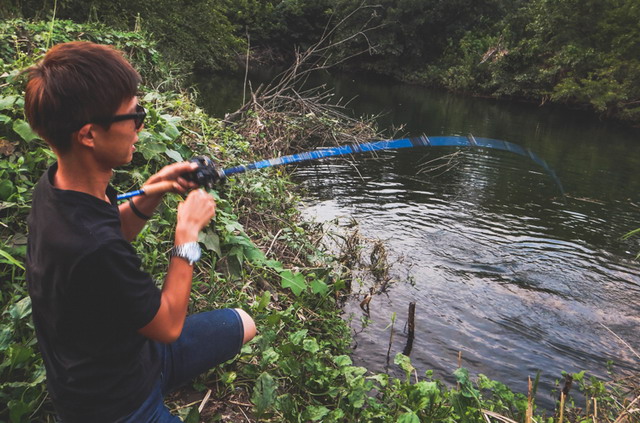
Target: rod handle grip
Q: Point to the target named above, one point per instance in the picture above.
(159, 187)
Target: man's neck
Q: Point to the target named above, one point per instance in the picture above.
(77, 174)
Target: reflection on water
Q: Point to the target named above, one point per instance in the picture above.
(501, 266)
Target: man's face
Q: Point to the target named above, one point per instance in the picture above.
(114, 147)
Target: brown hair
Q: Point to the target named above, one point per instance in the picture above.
(74, 84)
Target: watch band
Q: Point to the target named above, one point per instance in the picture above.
(190, 252)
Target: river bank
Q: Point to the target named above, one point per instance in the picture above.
(259, 256)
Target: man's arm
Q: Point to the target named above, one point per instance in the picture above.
(193, 215)
(131, 222)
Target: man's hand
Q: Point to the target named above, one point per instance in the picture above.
(194, 214)
(169, 179)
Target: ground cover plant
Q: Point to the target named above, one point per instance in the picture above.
(259, 256)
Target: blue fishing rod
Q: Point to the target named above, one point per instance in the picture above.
(208, 173)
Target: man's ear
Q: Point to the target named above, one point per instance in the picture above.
(85, 135)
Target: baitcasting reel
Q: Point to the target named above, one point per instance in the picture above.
(208, 174)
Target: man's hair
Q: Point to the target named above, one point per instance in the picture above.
(74, 84)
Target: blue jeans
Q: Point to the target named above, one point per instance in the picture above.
(207, 339)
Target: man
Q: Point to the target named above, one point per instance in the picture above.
(113, 344)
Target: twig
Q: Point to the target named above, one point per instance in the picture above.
(497, 416)
(273, 242)
(621, 340)
(626, 410)
(246, 68)
(239, 403)
(244, 414)
(529, 413)
(562, 397)
(204, 400)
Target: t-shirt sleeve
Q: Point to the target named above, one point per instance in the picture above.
(112, 278)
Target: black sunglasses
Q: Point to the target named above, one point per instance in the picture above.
(138, 117)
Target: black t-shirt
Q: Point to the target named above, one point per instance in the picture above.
(89, 299)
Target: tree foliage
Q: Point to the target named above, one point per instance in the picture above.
(583, 53)
(194, 33)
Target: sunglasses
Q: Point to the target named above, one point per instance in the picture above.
(138, 118)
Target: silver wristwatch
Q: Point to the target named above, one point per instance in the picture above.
(190, 252)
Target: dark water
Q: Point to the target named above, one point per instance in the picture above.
(501, 266)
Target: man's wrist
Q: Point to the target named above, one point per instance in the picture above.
(190, 252)
(184, 236)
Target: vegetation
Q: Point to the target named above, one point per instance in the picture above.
(578, 53)
(260, 256)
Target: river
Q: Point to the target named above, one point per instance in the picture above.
(503, 267)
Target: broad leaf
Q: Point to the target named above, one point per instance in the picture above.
(211, 241)
(264, 393)
(7, 102)
(295, 282)
(319, 287)
(173, 154)
(315, 412)
(23, 129)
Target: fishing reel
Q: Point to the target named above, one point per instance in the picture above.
(208, 174)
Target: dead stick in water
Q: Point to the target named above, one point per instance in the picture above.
(568, 381)
(459, 365)
(412, 327)
(393, 321)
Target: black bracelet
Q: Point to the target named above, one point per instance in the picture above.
(137, 212)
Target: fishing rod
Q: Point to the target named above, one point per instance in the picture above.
(208, 173)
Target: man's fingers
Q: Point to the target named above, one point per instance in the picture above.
(174, 170)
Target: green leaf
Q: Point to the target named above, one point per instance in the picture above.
(4, 118)
(18, 409)
(211, 241)
(23, 129)
(5, 338)
(269, 356)
(193, 416)
(264, 393)
(319, 287)
(466, 387)
(6, 189)
(265, 299)
(408, 418)
(173, 154)
(149, 147)
(311, 345)
(275, 265)
(7, 102)
(254, 254)
(21, 309)
(632, 233)
(295, 282)
(405, 363)
(171, 131)
(298, 336)
(315, 413)
(342, 360)
(19, 354)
